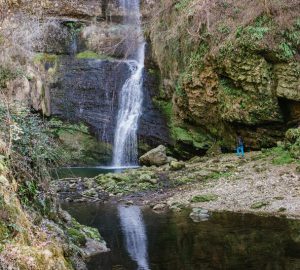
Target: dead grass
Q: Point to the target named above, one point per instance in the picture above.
(218, 20)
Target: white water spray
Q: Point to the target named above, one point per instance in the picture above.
(134, 232)
(131, 95)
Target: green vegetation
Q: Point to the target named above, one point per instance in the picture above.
(217, 175)
(239, 105)
(77, 237)
(204, 198)
(280, 155)
(166, 107)
(179, 132)
(28, 192)
(30, 153)
(258, 205)
(290, 42)
(92, 55)
(79, 146)
(182, 4)
(45, 58)
(6, 74)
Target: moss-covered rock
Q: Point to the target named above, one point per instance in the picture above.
(288, 80)
(82, 147)
(204, 198)
(258, 205)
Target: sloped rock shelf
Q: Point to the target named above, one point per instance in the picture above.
(175, 242)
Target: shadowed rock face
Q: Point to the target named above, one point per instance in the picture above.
(153, 128)
(88, 91)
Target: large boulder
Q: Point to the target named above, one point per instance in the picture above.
(156, 156)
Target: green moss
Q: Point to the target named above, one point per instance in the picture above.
(92, 55)
(280, 155)
(287, 49)
(76, 236)
(292, 135)
(259, 205)
(217, 175)
(181, 5)
(238, 105)
(45, 58)
(204, 198)
(79, 145)
(166, 107)
(197, 138)
(5, 233)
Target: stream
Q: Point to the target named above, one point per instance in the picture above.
(141, 239)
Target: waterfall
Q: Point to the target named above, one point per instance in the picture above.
(135, 235)
(131, 95)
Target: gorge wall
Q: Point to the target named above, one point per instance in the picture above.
(213, 70)
(227, 70)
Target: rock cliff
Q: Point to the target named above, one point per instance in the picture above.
(226, 69)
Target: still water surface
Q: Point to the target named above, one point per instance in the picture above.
(174, 242)
(89, 172)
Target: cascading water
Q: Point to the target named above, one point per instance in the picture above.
(134, 232)
(131, 96)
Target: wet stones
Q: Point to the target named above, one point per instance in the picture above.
(199, 214)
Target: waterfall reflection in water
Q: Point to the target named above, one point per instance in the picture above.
(174, 242)
(134, 232)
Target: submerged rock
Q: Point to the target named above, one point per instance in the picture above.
(156, 156)
(199, 214)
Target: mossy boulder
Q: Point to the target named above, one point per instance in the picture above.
(82, 148)
(156, 156)
(292, 135)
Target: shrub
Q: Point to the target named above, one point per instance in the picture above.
(31, 150)
(6, 74)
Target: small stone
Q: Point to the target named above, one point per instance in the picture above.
(65, 216)
(73, 186)
(159, 207)
(176, 165)
(90, 192)
(129, 202)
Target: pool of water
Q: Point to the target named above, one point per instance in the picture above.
(69, 172)
(172, 241)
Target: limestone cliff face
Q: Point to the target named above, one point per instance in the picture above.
(227, 69)
(221, 69)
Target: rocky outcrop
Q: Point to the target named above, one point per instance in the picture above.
(24, 232)
(288, 80)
